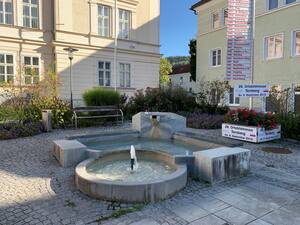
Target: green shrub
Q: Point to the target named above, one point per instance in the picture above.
(101, 97)
(15, 130)
(162, 100)
(290, 125)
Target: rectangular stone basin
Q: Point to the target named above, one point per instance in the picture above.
(221, 164)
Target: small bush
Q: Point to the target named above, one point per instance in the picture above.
(251, 118)
(162, 100)
(200, 120)
(290, 125)
(16, 130)
(101, 97)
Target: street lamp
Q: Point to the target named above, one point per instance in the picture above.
(71, 51)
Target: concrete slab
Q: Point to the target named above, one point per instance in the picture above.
(190, 212)
(209, 220)
(259, 222)
(252, 206)
(211, 204)
(283, 217)
(145, 221)
(235, 216)
(220, 164)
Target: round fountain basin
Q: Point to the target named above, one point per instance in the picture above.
(110, 177)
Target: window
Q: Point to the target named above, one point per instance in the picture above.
(225, 17)
(6, 12)
(104, 20)
(104, 70)
(216, 57)
(274, 47)
(6, 68)
(215, 21)
(289, 1)
(31, 68)
(124, 24)
(125, 75)
(30, 13)
(296, 43)
(232, 99)
(272, 4)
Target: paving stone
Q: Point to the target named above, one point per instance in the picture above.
(235, 216)
(190, 212)
(209, 220)
(283, 216)
(211, 204)
(145, 221)
(259, 222)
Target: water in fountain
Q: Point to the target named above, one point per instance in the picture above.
(155, 130)
(134, 162)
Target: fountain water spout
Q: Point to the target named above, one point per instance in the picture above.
(133, 159)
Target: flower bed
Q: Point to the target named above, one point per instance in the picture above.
(249, 125)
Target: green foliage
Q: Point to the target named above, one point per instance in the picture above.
(121, 212)
(193, 58)
(14, 130)
(290, 125)
(61, 111)
(101, 97)
(161, 99)
(164, 70)
(178, 60)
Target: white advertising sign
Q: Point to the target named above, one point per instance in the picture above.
(252, 90)
(250, 134)
(239, 39)
(238, 132)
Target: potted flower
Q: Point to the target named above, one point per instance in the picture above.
(250, 125)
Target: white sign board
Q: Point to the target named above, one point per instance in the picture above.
(243, 133)
(239, 40)
(252, 90)
(250, 134)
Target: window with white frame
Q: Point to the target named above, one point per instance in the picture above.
(104, 70)
(125, 75)
(233, 100)
(104, 20)
(31, 13)
(6, 68)
(215, 20)
(272, 4)
(31, 69)
(274, 47)
(216, 57)
(225, 17)
(289, 1)
(6, 12)
(296, 43)
(124, 24)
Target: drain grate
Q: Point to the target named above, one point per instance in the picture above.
(276, 150)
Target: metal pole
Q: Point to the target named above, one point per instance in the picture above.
(71, 92)
(252, 51)
(116, 46)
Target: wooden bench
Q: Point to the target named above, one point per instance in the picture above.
(110, 111)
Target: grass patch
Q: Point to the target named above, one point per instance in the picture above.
(69, 203)
(120, 212)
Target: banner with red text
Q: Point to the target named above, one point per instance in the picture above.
(239, 39)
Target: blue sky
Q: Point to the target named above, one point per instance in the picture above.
(178, 26)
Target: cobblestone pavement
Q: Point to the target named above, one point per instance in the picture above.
(34, 189)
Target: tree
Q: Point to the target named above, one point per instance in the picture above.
(193, 58)
(164, 71)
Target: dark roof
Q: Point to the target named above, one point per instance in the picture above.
(178, 69)
(202, 2)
